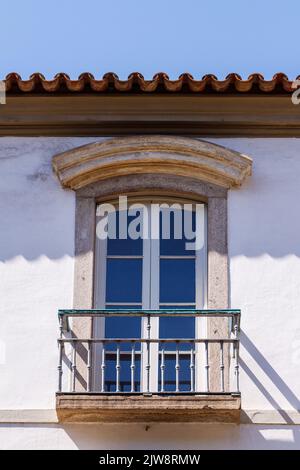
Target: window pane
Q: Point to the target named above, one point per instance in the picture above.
(170, 373)
(178, 307)
(123, 327)
(124, 280)
(176, 229)
(125, 372)
(117, 246)
(177, 280)
(176, 327)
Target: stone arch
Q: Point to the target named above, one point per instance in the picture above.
(124, 156)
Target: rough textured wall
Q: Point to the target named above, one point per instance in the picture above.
(264, 250)
(36, 278)
(158, 436)
(36, 268)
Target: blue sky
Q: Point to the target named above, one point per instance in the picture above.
(173, 36)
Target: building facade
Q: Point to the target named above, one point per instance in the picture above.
(141, 342)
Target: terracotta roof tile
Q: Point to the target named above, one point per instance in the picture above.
(160, 83)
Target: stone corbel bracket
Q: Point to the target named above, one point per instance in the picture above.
(180, 156)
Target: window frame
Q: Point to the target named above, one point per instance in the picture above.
(150, 291)
(87, 198)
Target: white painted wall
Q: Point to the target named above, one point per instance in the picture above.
(36, 278)
(36, 268)
(264, 251)
(158, 436)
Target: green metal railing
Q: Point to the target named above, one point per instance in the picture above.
(97, 352)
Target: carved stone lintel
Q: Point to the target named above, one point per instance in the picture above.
(181, 156)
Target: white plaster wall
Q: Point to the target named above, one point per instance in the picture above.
(36, 268)
(158, 436)
(264, 251)
(36, 278)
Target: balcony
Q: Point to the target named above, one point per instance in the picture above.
(152, 377)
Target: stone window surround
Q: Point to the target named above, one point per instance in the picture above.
(148, 185)
(147, 166)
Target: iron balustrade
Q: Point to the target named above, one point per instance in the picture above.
(204, 368)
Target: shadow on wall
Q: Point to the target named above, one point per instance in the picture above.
(40, 219)
(273, 376)
(38, 216)
(201, 436)
(263, 215)
(184, 436)
(149, 437)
